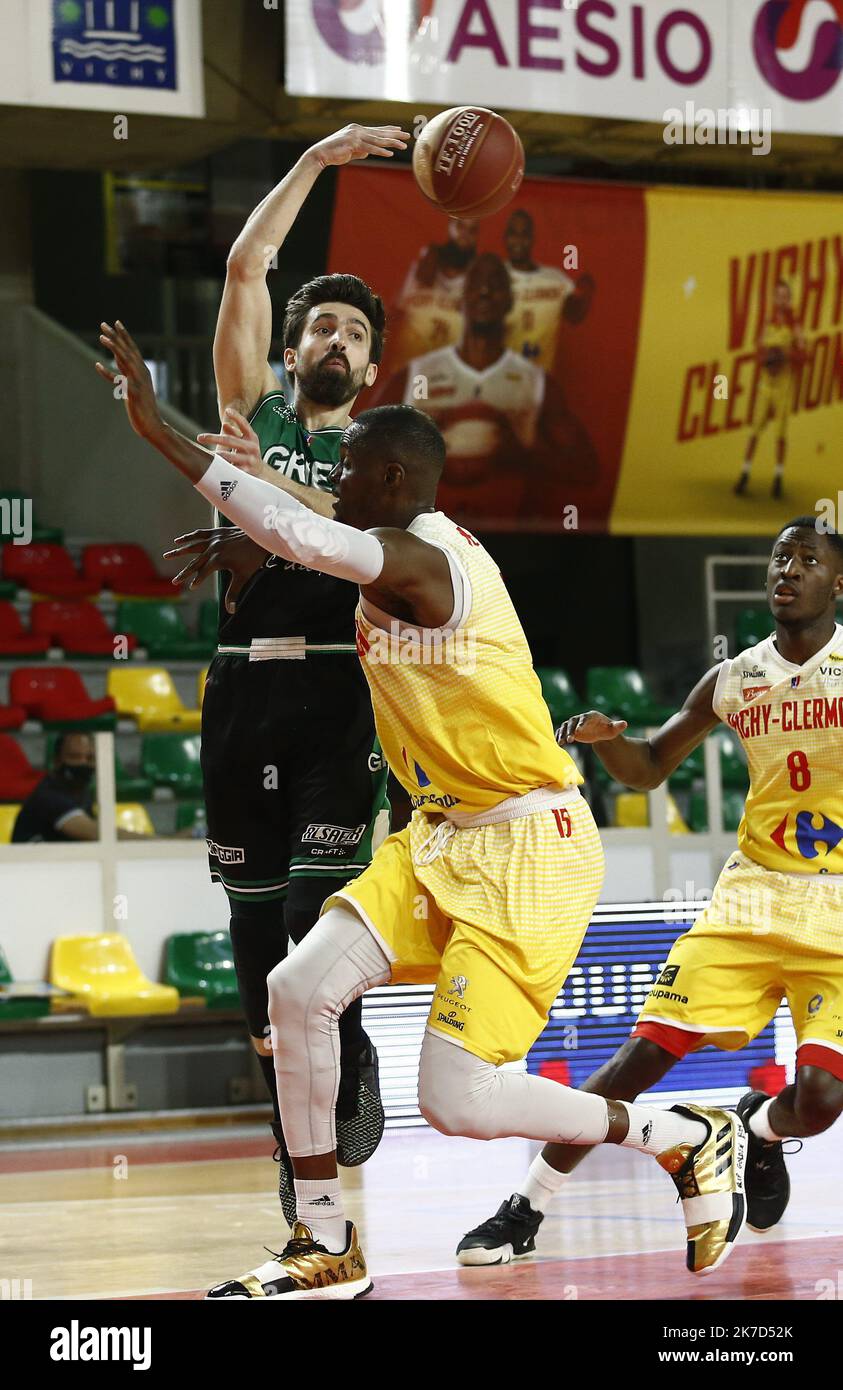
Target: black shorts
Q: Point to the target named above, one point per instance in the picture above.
(295, 783)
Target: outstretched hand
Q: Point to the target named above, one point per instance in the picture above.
(358, 141)
(220, 549)
(237, 444)
(132, 379)
(592, 727)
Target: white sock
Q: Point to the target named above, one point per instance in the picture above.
(652, 1131)
(759, 1123)
(542, 1184)
(319, 1206)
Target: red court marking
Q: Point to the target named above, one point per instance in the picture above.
(102, 1155)
(778, 1269)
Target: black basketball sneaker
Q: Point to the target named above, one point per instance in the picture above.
(360, 1115)
(767, 1181)
(508, 1235)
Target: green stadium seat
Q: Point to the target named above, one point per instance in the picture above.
(191, 813)
(733, 804)
(18, 1006)
(160, 628)
(622, 692)
(129, 785)
(751, 627)
(8, 588)
(172, 760)
(201, 964)
(559, 694)
(209, 623)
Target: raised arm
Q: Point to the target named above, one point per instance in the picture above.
(644, 763)
(244, 324)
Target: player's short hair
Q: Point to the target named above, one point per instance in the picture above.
(522, 212)
(61, 741)
(345, 289)
(811, 523)
(405, 434)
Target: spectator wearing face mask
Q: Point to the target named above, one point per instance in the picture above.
(62, 805)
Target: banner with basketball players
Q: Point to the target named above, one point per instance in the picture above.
(607, 358)
(634, 59)
(517, 333)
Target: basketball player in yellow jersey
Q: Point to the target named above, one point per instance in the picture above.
(487, 892)
(780, 348)
(774, 926)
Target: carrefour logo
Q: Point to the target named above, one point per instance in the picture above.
(355, 28)
(778, 30)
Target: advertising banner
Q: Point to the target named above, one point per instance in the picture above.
(607, 358)
(626, 59)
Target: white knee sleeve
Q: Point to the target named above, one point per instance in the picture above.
(461, 1094)
(337, 961)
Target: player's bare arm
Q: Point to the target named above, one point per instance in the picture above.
(244, 323)
(644, 763)
(392, 566)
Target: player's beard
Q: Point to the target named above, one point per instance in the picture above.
(326, 386)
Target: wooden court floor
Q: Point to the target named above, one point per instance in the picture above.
(166, 1216)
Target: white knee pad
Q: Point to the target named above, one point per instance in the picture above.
(457, 1090)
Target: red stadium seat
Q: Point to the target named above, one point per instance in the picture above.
(14, 639)
(46, 569)
(78, 628)
(17, 775)
(125, 569)
(12, 716)
(57, 696)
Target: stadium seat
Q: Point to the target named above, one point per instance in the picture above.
(7, 588)
(12, 716)
(46, 569)
(148, 695)
(102, 975)
(8, 816)
(200, 686)
(632, 812)
(131, 815)
(125, 569)
(559, 695)
(733, 804)
(622, 693)
(202, 964)
(57, 696)
(130, 786)
(209, 623)
(160, 628)
(14, 639)
(751, 627)
(18, 778)
(78, 628)
(39, 532)
(190, 814)
(172, 760)
(733, 769)
(18, 1006)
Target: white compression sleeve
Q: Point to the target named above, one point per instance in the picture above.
(280, 524)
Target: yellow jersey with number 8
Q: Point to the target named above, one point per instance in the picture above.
(460, 713)
(789, 720)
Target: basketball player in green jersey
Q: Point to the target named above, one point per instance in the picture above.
(294, 782)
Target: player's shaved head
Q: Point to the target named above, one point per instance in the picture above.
(392, 458)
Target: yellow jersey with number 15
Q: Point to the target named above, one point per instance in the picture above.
(790, 722)
(459, 713)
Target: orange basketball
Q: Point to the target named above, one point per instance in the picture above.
(468, 161)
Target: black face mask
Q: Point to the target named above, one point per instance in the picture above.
(76, 777)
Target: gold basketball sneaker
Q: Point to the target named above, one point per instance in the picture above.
(710, 1181)
(304, 1269)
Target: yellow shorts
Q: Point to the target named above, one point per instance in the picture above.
(772, 403)
(493, 915)
(764, 936)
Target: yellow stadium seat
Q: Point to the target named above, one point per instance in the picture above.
(200, 686)
(147, 694)
(632, 812)
(102, 976)
(131, 815)
(8, 816)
